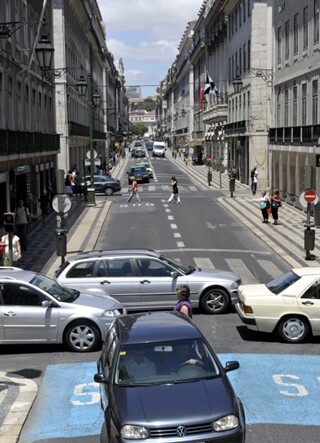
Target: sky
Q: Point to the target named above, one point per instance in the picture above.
(146, 35)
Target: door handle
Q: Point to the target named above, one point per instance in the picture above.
(143, 282)
(105, 282)
(307, 303)
(10, 314)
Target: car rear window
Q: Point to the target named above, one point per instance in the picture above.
(279, 284)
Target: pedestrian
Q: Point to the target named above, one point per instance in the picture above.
(265, 206)
(16, 250)
(183, 305)
(68, 184)
(44, 204)
(77, 185)
(175, 191)
(275, 205)
(134, 190)
(254, 180)
(233, 175)
(22, 221)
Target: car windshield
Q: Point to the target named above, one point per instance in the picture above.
(177, 361)
(54, 288)
(279, 284)
(183, 269)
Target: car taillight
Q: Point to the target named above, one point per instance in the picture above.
(247, 309)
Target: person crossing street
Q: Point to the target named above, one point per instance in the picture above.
(134, 190)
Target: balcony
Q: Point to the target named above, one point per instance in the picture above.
(83, 131)
(235, 128)
(295, 135)
(18, 142)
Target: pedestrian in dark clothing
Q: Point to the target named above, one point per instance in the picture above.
(233, 175)
(254, 180)
(44, 205)
(275, 205)
(175, 191)
(22, 220)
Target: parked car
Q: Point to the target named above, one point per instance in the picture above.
(104, 184)
(36, 309)
(148, 168)
(140, 173)
(288, 305)
(136, 144)
(160, 381)
(159, 149)
(144, 279)
(140, 153)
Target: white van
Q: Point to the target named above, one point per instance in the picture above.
(159, 149)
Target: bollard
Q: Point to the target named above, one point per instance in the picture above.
(209, 177)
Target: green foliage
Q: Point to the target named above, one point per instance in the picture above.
(148, 105)
(138, 129)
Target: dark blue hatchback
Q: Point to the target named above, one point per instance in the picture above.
(161, 381)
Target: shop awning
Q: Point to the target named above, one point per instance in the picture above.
(196, 142)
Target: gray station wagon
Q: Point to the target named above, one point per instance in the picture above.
(143, 279)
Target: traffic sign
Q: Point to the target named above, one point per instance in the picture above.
(308, 196)
(61, 203)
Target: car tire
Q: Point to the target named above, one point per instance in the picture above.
(108, 191)
(104, 434)
(215, 301)
(293, 329)
(82, 336)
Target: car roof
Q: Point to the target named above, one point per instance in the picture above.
(12, 273)
(155, 326)
(114, 252)
(307, 271)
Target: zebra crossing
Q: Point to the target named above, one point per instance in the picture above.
(144, 187)
(248, 274)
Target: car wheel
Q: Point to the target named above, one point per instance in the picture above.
(103, 434)
(293, 329)
(108, 191)
(82, 336)
(215, 301)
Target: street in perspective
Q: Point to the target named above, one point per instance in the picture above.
(159, 221)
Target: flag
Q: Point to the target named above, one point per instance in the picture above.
(210, 87)
(201, 96)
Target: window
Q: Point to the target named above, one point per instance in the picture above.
(249, 54)
(316, 21)
(315, 101)
(279, 108)
(14, 294)
(286, 40)
(153, 268)
(286, 108)
(295, 34)
(82, 270)
(244, 10)
(295, 106)
(313, 292)
(279, 45)
(240, 61)
(244, 51)
(249, 8)
(304, 104)
(305, 28)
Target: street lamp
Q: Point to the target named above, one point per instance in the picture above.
(93, 101)
(237, 84)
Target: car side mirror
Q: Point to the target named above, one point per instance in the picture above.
(232, 365)
(174, 274)
(47, 304)
(100, 378)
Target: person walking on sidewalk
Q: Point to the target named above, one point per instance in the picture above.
(134, 190)
(265, 206)
(175, 191)
(22, 221)
(275, 205)
(16, 250)
(44, 203)
(254, 180)
(233, 175)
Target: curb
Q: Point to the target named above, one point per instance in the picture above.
(20, 405)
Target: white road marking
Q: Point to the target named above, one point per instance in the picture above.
(203, 262)
(173, 226)
(176, 235)
(270, 268)
(180, 244)
(170, 217)
(238, 266)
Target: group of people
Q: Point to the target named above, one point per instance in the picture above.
(134, 191)
(270, 204)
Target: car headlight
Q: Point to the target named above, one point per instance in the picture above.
(226, 423)
(133, 432)
(112, 313)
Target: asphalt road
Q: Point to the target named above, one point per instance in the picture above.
(277, 382)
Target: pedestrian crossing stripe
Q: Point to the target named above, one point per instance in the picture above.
(155, 188)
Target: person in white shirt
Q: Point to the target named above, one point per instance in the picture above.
(16, 250)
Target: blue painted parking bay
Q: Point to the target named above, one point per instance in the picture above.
(275, 389)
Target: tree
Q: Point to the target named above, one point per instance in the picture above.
(138, 129)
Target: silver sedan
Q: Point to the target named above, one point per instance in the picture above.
(37, 309)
